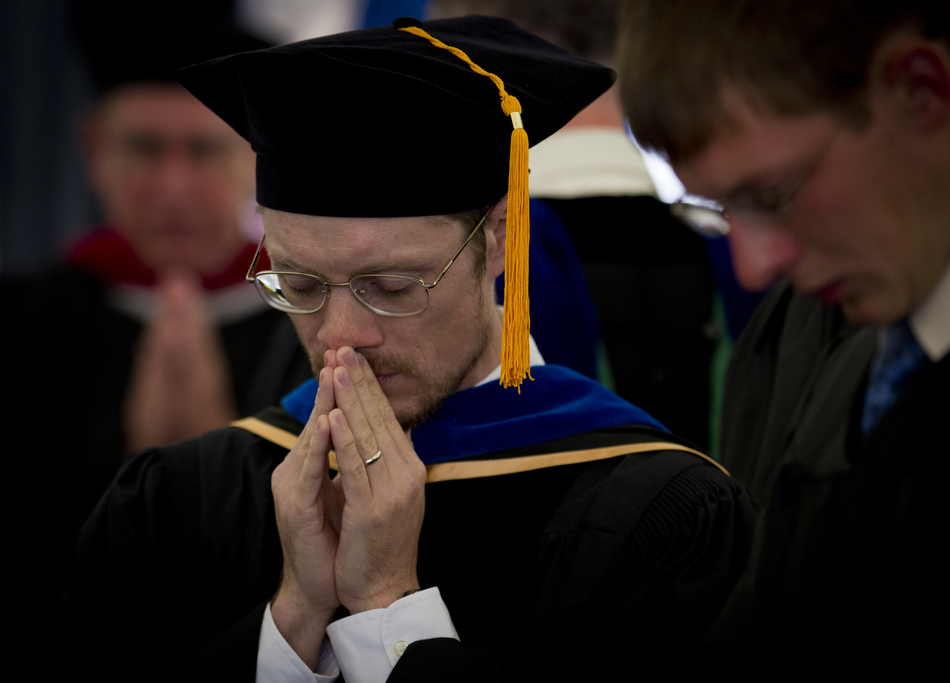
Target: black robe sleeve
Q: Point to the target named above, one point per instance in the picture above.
(633, 568)
(174, 568)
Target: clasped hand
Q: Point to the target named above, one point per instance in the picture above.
(180, 386)
(352, 540)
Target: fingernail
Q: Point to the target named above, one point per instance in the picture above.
(349, 357)
(344, 378)
(337, 416)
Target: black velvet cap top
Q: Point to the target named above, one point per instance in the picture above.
(380, 122)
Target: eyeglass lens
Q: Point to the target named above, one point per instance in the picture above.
(706, 221)
(386, 294)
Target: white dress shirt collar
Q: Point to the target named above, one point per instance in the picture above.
(534, 359)
(930, 323)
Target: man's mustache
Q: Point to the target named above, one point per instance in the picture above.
(380, 364)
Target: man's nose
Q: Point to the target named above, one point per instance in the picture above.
(761, 254)
(347, 322)
(177, 173)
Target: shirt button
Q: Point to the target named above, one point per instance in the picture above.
(400, 647)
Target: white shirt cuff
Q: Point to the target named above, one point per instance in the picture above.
(368, 645)
(278, 663)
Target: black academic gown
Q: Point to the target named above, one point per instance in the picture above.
(597, 562)
(847, 566)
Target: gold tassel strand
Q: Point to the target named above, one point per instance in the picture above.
(515, 354)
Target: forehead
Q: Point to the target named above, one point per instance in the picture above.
(164, 109)
(335, 243)
(751, 145)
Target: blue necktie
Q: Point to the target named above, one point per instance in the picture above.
(899, 356)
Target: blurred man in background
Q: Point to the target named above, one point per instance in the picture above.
(147, 333)
(817, 134)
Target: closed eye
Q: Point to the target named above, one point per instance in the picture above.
(299, 283)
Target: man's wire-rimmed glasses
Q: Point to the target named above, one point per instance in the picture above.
(394, 296)
(709, 218)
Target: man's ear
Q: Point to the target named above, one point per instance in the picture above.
(917, 72)
(495, 230)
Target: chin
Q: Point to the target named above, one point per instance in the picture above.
(410, 418)
(412, 413)
(871, 311)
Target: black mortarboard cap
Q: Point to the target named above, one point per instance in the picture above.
(380, 122)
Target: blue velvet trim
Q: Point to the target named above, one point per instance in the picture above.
(489, 418)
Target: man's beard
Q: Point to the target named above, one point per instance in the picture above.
(434, 390)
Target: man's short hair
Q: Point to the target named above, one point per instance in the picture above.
(790, 56)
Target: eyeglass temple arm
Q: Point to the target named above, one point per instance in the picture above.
(257, 255)
(464, 244)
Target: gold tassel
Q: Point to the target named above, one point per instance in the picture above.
(515, 354)
(515, 347)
